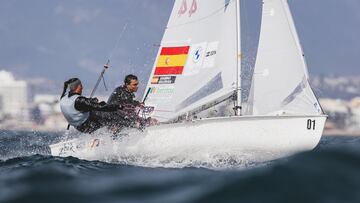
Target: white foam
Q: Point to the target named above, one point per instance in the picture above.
(164, 150)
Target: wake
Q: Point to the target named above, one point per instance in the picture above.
(164, 150)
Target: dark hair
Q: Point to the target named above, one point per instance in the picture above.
(74, 82)
(128, 79)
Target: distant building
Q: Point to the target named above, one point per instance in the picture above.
(13, 96)
(338, 111)
(43, 106)
(355, 111)
(48, 103)
(46, 112)
(2, 114)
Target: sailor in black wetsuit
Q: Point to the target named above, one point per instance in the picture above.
(124, 96)
(88, 114)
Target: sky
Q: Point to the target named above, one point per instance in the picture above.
(43, 40)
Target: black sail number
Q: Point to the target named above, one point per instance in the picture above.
(310, 125)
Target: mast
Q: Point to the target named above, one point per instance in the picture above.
(238, 58)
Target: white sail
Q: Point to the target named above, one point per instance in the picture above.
(197, 59)
(280, 81)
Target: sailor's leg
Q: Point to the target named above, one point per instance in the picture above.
(90, 125)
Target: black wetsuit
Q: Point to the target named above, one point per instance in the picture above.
(121, 96)
(101, 114)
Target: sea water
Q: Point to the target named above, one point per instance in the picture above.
(28, 173)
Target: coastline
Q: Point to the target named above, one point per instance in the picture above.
(341, 132)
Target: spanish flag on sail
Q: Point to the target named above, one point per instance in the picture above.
(171, 60)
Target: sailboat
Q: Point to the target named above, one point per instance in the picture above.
(195, 87)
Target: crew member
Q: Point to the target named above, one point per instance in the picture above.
(124, 96)
(88, 114)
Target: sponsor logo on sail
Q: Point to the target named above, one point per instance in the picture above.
(197, 54)
(163, 80)
(148, 110)
(162, 90)
(210, 53)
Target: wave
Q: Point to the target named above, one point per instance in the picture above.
(326, 175)
(318, 176)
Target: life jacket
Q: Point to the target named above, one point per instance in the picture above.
(73, 116)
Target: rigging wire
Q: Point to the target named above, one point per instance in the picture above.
(101, 77)
(118, 41)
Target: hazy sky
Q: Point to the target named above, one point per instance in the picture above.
(56, 40)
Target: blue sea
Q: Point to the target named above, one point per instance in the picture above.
(28, 173)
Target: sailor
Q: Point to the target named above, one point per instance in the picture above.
(124, 95)
(88, 114)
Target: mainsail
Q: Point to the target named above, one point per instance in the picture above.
(280, 80)
(197, 60)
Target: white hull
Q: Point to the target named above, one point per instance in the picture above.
(285, 134)
(265, 133)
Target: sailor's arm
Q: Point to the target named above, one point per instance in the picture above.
(137, 103)
(89, 104)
